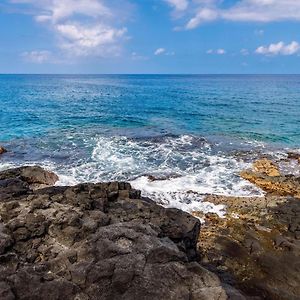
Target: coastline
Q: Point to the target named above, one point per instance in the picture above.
(251, 238)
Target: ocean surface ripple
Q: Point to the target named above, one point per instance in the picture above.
(176, 138)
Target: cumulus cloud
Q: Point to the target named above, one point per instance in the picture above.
(159, 51)
(242, 11)
(84, 40)
(81, 27)
(178, 5)
(217, 51)
(203, 15)
(37, 57)
(163, 51)
(279, 49)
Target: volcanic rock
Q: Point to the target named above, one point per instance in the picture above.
(96, 241)
(257, 246)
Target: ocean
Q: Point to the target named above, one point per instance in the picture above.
(175, 137)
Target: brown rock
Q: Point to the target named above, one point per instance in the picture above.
(267, 167)
(280, 185)
(256, 246)
(2, 150)
(32, 175)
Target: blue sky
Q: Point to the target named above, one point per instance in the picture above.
(150, 36)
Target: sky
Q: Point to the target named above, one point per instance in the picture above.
(150, 36)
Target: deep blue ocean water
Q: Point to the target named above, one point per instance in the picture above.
(196, 131)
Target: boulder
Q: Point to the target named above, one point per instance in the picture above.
(34, 176)
(96, 241)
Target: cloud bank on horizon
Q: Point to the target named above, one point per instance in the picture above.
(83, 29)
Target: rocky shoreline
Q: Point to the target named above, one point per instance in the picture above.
(106, 241)
(95, 241)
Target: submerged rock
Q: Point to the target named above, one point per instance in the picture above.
(96, 241)
(2, 150)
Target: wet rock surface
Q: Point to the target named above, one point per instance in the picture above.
(257, 246)
(96, 241)
(265, 174)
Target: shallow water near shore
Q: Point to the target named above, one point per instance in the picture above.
(176, 138)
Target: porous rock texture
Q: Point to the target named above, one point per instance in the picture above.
(265, 174)
(257, 245)
(96, 241)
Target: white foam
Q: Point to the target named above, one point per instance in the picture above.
(186, 163)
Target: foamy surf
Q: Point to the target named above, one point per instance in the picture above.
(175, 171)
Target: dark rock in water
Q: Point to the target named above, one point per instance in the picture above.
(2, 150)
(95, 241)
(294, 155)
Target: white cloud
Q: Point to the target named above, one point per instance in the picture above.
(163, 51)
(204, 15)
(159, 51)
(179, 5)
(37, 57)
(82, 40)
(81, 27)
(58, 10)
(279, 49)
(217, 51)
(220, 51)
(244, 11)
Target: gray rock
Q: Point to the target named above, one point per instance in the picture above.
(95, 241)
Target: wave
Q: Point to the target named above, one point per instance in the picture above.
(176, 171)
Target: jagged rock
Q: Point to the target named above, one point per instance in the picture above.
(280, 185)
(256, 246)
(267, 167)
(95, 241)
(2, 150)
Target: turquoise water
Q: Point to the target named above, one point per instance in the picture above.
(262, 108)
(192, 130)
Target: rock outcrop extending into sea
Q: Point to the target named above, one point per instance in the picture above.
(105, 241)
(95, 241)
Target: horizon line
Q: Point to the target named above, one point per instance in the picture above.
(164, 74)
